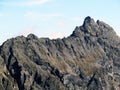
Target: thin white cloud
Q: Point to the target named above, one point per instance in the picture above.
(27, 30)
(56, 35)
(35, 14)
(42, 16)
(25, 3)
(3, 14)
(61, 23)
(76, 18)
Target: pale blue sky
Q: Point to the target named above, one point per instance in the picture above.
(53, 18)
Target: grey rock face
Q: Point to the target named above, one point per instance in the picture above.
(89, 59)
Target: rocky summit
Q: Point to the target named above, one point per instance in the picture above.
(89, 59)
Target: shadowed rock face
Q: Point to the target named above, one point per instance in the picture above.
(89, 59)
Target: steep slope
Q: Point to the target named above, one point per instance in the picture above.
(89, 59)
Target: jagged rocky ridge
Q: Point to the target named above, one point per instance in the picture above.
(89, 59)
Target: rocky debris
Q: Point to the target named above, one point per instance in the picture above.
(86, 60)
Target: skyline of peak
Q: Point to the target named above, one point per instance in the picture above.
(89, 26)
(53, 18)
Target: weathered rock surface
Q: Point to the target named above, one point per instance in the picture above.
(89, 59)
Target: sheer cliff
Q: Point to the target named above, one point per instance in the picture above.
(89, 59)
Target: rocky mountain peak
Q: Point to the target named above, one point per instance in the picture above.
(32, 36)
(98, 28)
(89, 27)
(89, 59)
(104, 27)
(89, 20)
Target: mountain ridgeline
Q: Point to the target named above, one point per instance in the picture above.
(89, 59)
